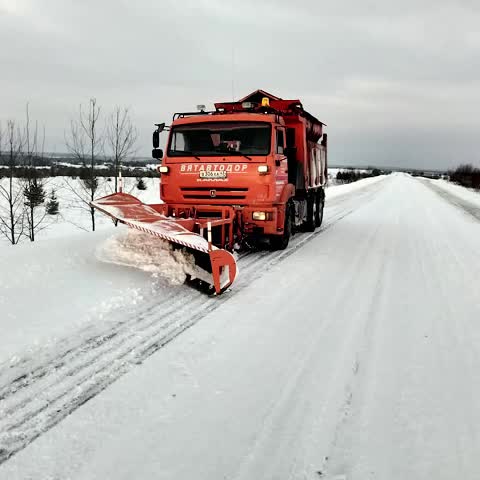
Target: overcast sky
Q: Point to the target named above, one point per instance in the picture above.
(398, 83)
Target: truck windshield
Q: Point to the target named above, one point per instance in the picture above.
(220, 138)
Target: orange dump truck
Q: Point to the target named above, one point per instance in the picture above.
(249, 170)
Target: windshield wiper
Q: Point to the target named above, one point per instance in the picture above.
(216, 153)
(234, 152)
(187, 152)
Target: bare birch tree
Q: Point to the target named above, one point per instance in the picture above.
(121, 136)
(85, 142)
(34, 187)
(12, 214)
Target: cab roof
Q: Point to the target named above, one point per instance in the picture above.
(250, 105)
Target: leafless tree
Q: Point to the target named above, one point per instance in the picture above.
(85, 142)
(34, 185)
(12, 214)
(121, 137)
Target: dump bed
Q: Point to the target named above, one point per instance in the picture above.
(305, 140)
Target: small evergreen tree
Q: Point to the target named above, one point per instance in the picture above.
(141, 185)
(34, 195)
(52, 204)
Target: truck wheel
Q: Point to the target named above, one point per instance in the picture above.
(280, 242)
(319, 204)
(310, 221)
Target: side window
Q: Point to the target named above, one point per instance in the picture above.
(280, 141)
(178, 142)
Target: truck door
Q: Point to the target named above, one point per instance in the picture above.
(281, 163)
(291, 156)
(295, 168)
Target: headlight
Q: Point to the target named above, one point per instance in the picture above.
(260, 216)
(163, 169)
(262, 169)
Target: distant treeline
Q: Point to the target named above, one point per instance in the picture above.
(81, 171)
(432, 175)
(47, 161)
(466, 175)
(349, 176)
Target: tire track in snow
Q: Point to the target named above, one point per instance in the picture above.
(297, 429)
(35, 396)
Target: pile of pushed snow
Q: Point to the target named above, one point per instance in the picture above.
(139, 250)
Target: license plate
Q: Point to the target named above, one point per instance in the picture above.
(210, 174)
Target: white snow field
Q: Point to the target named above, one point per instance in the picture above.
(74, 215)
(351, 355)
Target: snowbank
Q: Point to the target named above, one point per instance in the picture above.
(466, 194)
(333, 191)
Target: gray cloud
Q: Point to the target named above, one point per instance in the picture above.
(396, 82)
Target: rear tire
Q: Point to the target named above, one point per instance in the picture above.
(280, 242)
(319, 204)
(310, 221)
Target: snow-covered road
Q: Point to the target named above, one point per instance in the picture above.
(354, 354)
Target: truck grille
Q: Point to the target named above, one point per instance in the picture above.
(221, 193)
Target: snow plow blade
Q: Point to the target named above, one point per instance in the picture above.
(213, 265)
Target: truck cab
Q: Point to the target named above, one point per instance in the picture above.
(250, 162)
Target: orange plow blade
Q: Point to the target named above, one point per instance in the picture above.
(215, 266)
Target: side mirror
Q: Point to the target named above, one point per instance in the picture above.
(157, 153)
(156, 139)
(156, 134)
